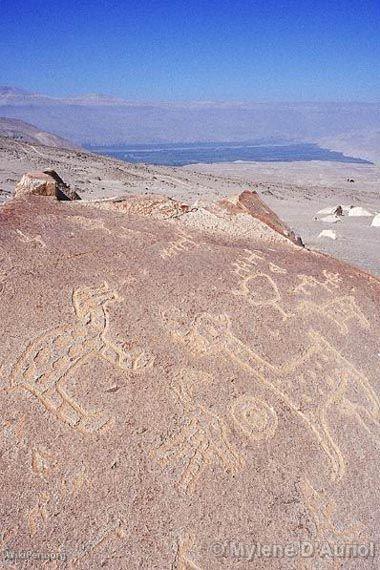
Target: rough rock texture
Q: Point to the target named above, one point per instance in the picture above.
(174, 393)
(251, 202)
(47, 183)
(154, 206)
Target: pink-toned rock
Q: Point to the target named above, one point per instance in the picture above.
(46, 183)
(251, 203)
(178, 392)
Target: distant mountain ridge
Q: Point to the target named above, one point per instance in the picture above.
(105, 120)
(21, 131)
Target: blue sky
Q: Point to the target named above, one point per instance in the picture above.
(191, 50)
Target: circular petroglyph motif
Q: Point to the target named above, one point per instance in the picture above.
(256, 418)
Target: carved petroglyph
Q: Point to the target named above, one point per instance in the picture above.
(38, 515)
(261, 290)
(326, 531)
(6, 536)
(202, 442)
(44, 366)
(252, 260)
(184, 242)
(25, 238)
(90, 223)
(340, 311)
(43, 462)
(314, 385)
(323, 513)
(78, 482)
(183, 560)
(246, 262)
(104, 535)
(257, 286)
(310, 284)
(255, 418)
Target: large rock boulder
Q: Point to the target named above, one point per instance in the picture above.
(47, 183)
(194, 392)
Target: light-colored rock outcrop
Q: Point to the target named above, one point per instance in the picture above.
(175, 394)
(331, 210)
(358, 212)
(327, 234)
(46, 183)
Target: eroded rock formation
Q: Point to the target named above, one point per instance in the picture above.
(47, 183)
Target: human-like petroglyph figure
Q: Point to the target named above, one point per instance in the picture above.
(255, 284)
(246, 262)
(204, 440)
(47, 362)
(257, 419)
(184, 242)
(314, 384)
(261, 290)
(252, 260)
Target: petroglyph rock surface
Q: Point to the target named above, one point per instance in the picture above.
(174, 391)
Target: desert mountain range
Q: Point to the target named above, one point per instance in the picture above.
(353, 128)
(20, 131)
(181, 385)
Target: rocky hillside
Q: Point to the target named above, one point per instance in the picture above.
(181, 386)
(21, 131)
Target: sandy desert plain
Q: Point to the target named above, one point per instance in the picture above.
(296, 191)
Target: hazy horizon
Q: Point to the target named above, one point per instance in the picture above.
(232, 101)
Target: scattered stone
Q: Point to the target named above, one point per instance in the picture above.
(376, 221)
(335, 210)
(327, 234)
(358, 211)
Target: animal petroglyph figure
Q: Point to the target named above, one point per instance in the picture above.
(313, 385)
(323, 513)
(341, 311)
(202, 442)
(309, 284)
(328, 532)
(47, 362)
